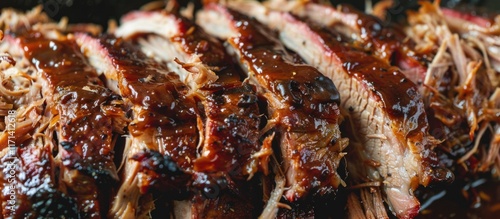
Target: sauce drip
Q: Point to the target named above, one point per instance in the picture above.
(232, 113)
(302, 102)
(298, 85)
(75, 90)
(163, 111)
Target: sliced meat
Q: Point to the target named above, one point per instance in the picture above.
(302, 103)
(28, 180)
(163, 132)
(466, 20)
(85, 114)
(387, 42)
(231, 117)
(231, 112)
(195, 74)
(385, 109)
(29, 186)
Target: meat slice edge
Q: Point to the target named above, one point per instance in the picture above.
(302, 102)
(77, 98)
(163, 133)
(225, 100)
(385, 107)
(387, 42)
(28, 179)
(231, 115)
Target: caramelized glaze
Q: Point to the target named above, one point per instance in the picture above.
(165, 113)
(299, 85)
(85, 129)
(36, 193)
(231, 109)
(387, 42)
(400, 98)
(302, 104)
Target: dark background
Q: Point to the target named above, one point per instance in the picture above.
(100, 11)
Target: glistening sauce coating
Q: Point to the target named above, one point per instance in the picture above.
(85, 125)
(232, 123)
(303, 104)
(400, 97)
(388, 42)
(166, 114)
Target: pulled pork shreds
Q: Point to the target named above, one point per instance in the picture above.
(26, 146)
(463, 63)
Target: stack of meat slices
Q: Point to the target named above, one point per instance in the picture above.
(238, 114)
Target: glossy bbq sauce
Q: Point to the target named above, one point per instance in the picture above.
(232, 114)
(357, 63)
(388, 42)
(163, 111)
(77, 93)
(85, 130)
(299, 85)
(302, 101)
(399, 96)
(450, 202)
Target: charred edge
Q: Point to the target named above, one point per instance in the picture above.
(164, 173)
(50, 203)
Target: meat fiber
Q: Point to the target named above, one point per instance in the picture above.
(28, 179)
(366, 32)
(464, 58)
(231, 115)
(85, 116)
(163, 132)
(18, 21)
(302, 103)
(385, 109)
(29, 185)
(240, 118)
(230, 141)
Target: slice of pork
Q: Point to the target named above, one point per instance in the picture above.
(231, 115)
(230, 140)
(85, 115)
(385, 109)
(302, 103)
(28, 178)
(163, 132)
(386, 41)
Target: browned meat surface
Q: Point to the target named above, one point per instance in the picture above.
(85, 114)
(302, 103)
(28, 180)
(231, 115)
(390, 126)
(29, 186)
(164, 121)
(387, 42)
(231, 118)
(238, 116)
(446, 67)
